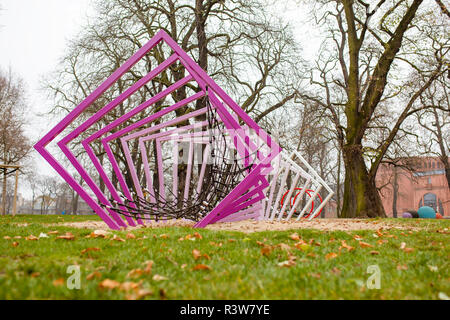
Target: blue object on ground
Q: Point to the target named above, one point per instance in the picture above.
(426, 212)
(406, 215)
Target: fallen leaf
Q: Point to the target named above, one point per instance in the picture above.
(31, 238)
(202, 267)
(135, 273)
(117, 238)
(284, 247)
(433, 268)
(336, 271)
(90, 249)
(99, 234)
(157, 277)
(358, 238)
(302, 245)
(402, 267)
(7, 238)
(128, 286)
(15, 244)
(148, 267)
(93, 275)
(35, 274)
(379, 233)
(365, 245)
(139, 294)
(295, 237)
(198, 235)
(130, 236)
(196, 254)
(17, 237)
(331, 255)
(67, 236)
(53, 232)
(109, 284)
(374, 252)
(346, 246)
(408, 250)
(266, 250)
(287, 264)
(164, 236)
(58, 282)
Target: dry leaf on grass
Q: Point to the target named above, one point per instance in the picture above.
(365, 244)
(198, 236)
(374, 252)
(336, 271)
(331, 255)
(31, 238)
(135, 273)
(67, 236)
(358, 238)
(109, 284)
(287, 264)
(158, 277)
(202, 267)
(148, 266)
(117, 238)
(164, 236)
(93, 275)
(90, 249)
(346, 246)
(98, 234)
(35, 274)
(7, 238)
(58, 282)
(53, 232)
(266, 250)
(295, 237)
(15, 244)
(139, 294)
(130, 236)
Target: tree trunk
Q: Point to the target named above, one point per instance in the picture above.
(395, 194)
(4, 193)
(361, 197)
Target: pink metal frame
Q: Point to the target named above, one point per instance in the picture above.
(235, 203)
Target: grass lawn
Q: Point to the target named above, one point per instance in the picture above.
(414, 262)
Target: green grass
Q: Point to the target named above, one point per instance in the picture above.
(238, 268)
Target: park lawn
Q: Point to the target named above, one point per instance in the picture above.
(232, 265)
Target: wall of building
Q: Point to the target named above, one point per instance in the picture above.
(427, 185)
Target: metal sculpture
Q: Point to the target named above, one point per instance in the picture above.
(127, 205)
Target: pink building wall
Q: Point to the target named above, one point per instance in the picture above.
(426, 186)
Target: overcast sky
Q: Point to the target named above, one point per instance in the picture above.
(34, 35)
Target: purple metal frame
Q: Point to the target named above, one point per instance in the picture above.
(229, 112)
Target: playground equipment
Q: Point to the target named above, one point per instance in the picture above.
(222, 174)
(7, 170)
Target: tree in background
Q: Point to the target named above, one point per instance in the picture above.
(241, 45)
(364, 65)
(14, 144)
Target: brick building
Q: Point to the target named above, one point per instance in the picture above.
(426, 185)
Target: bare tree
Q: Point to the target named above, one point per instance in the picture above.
(354, 79)
(14, 145)
(435, 122)
(241, 45)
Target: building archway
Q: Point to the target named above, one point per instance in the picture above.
(430, 200)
